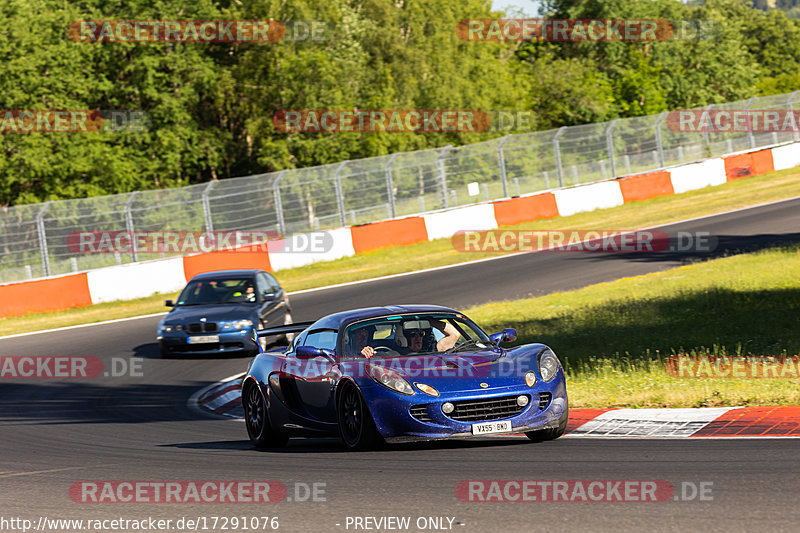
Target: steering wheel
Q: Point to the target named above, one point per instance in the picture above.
(382, 349)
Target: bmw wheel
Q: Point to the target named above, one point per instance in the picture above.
(257, 419)
(356, 426)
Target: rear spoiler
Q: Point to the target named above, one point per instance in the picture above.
(297, 327)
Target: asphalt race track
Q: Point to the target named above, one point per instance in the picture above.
(138, 427)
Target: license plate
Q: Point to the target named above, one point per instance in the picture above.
(205, 339)
(491, 427)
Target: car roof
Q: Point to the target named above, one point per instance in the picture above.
(222, 273)
(337, 320)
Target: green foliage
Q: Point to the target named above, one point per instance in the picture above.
(211, 105)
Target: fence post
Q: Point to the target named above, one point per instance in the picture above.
(706, 136)
(750, 136)
(442, 174)
(557, 152)
(339, 195)
(502, 160)
(791, 109)
(129, 225)
(390, 186)
(207, 206)
(43, 238)
(610, 146)
(659, 143)
(276, 192)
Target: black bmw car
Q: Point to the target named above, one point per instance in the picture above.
(219, 312)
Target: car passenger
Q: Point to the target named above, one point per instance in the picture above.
(249, 293)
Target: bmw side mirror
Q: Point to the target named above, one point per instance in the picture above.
(169, 303)
(268, 295)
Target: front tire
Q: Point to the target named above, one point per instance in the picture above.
(356, 426)
(541, 435)
(256, 419)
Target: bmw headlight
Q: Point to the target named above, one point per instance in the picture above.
(548, 365)
(169, 328)
(390, 379)
(235, 324)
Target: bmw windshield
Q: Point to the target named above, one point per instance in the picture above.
(212, 291)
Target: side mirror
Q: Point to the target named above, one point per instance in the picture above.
(266, 295)
(169, 303)
(508, 335)
(309, 352)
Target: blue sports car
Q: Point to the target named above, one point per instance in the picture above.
(400, 373)
(219, 313)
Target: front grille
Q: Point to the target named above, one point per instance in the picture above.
(486, 409)
(420, 412)
(199, 327)
(544, 400)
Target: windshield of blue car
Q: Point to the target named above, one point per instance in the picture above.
(212, 291)
(413, 334)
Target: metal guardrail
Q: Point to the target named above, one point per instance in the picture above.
(33, 238)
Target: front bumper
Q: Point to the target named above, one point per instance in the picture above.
(234, 342)
(393, 418)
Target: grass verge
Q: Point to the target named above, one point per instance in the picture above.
(734, 195)
(613, 337)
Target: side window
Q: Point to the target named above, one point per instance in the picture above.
(262, 284)
(298, 341)
(272, 282)
(325, 338)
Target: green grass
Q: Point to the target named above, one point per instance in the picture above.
(733, 195)
(613, 337)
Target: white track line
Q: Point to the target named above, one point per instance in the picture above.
(65, 328)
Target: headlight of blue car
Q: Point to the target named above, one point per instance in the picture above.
(169, 328)
(548, 365)
(235, 324)
(390, 379)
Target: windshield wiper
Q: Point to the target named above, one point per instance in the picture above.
(468, 344)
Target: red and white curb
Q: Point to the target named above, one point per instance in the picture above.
(223, 399)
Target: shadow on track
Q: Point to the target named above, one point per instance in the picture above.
(81, 402)
(333, 445)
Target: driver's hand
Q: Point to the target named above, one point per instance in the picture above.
(368, 351)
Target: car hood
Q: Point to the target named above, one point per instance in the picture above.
(212, 313)
(455, 372)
